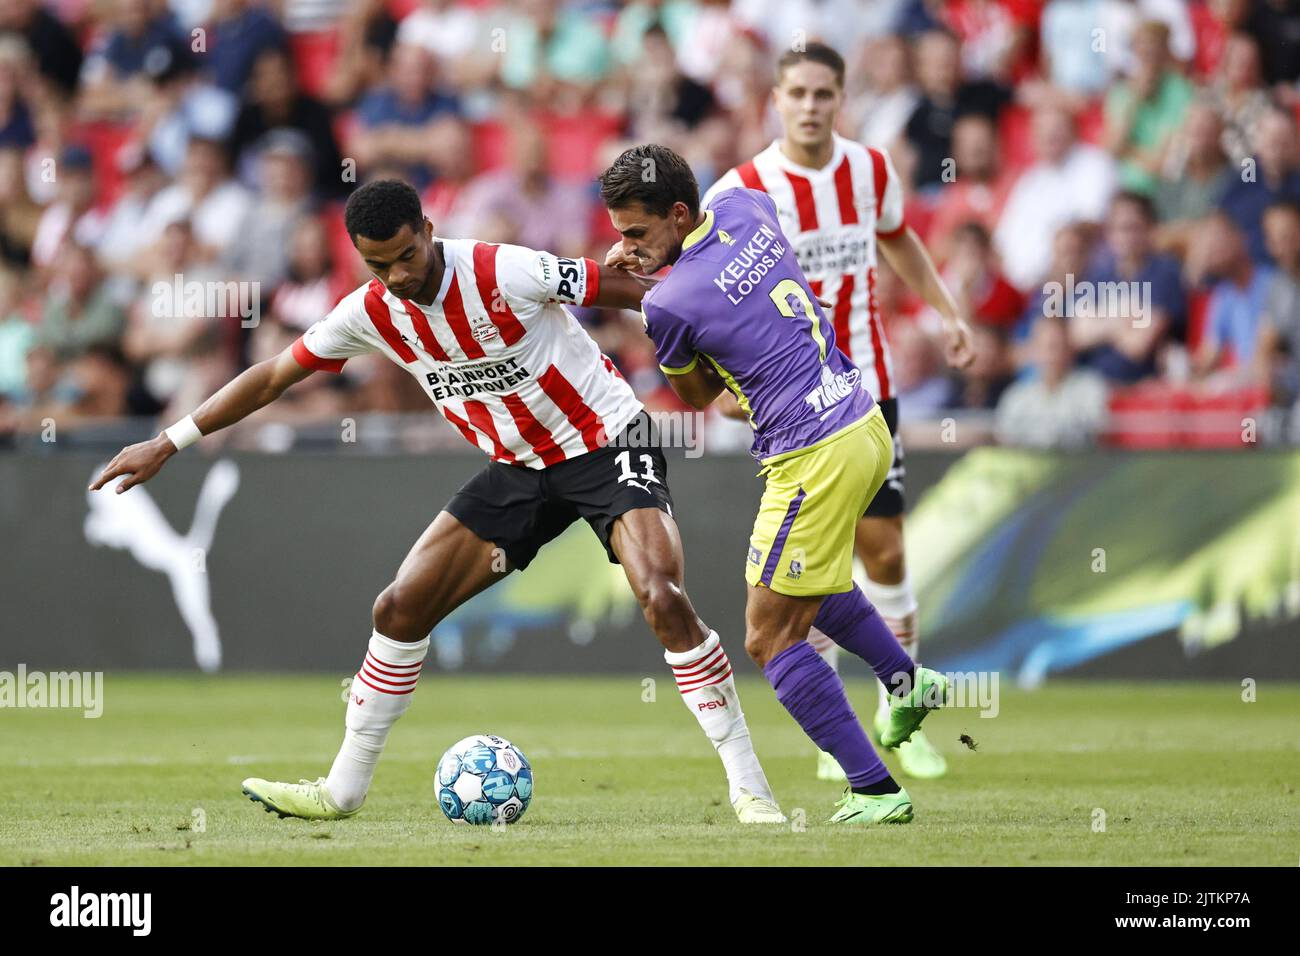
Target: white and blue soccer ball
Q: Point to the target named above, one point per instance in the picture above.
(483, 779)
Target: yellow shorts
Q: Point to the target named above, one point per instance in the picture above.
(802, 542)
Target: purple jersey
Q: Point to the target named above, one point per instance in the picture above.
(737, 299)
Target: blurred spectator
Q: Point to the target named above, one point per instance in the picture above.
(980, 191)
(523, 203)
(1070, 63)
(1060, 406)
(546, 40)
(204, 194)
(980, 385)
(945, 98)
(1071, 254)
(881, 108)
(273, 101)
(79, 309)
(1137, 294)
(998, 37)
(1273, 175)
(311, 286)
(115, 76)
(398, 123)
(1214, 21)
(58, 55)
(282, 201)
(1196, 174)
(181, 348)
(638, 16)
(455, 34)
(1238, 98)
(366, 34)
(972, 275)
(18, 214)
(123, 235)
(240, 30)
(17, 128)
(44, 393)
(1279, 331)
(73, 211)
(920, 382)
(101, 379)
(659, 93)
(456, 168)
(1069, 182)
(180, 106)
(1121, 23)
(784, 23)
(16, 336)
(1276, 24)
(1237, 299)
(1143, 111)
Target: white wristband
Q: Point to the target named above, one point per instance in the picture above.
(184, 433)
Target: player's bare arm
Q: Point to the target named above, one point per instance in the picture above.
(621, 288)
(698, 387)
(907, 255)
(254, 388)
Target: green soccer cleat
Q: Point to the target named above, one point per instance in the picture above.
(907, 712)
(918, 756)
(920, 759)
(754, 809)
(864, 808)
(828, 768)
(307, 799)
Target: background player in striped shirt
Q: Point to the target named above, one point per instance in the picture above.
(483, 329)
(837, 200)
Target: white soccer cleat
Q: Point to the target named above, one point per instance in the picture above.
(752, 809)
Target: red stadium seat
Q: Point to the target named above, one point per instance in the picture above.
(1159, 415)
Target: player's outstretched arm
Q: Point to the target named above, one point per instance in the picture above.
(907, 255)
(257, 386)
(621, 288)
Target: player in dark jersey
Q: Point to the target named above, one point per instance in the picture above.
(737, 312)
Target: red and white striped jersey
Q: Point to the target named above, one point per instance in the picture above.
(832, 216)
(500, 357)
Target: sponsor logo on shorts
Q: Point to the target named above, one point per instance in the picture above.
(796, 564)
(755, 555)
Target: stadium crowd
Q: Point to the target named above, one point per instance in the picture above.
(1110, 187)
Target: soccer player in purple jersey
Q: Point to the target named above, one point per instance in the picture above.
(821, 438)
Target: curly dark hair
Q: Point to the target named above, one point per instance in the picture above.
(380, 208)
(652, 175)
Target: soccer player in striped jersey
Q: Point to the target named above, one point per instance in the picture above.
(484, 331)
(837, 201)
(737, 312)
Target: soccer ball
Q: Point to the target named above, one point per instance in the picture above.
(483, 779)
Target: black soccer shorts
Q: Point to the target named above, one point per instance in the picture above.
(521, 509)
(889, 501)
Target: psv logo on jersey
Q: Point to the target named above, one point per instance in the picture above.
(482, 329)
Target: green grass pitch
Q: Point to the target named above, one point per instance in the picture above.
(1185, 774)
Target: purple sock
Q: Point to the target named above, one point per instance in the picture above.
(813, 693)
(851, 621)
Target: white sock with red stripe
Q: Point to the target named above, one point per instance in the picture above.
(704, 677)
(897, 606)
(380, 693)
